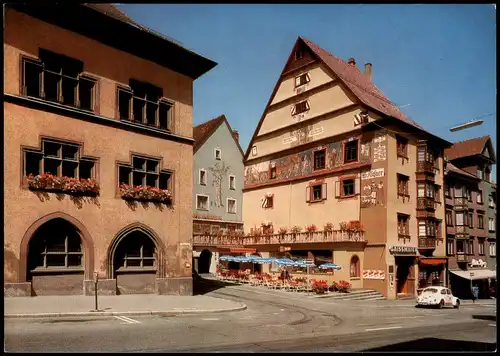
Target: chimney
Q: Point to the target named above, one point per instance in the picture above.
(351, 61)
(368, 70)
(236, 136)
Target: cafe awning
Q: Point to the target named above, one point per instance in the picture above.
(236, 249)
(432, 261)
(475, 274)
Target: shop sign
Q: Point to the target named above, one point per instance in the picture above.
(403, 249)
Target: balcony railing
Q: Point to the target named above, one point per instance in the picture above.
(425, 166)
(425, 203)
(277, 239)
(426, 242)
(462, 231)
(461, 203)
(462, 257)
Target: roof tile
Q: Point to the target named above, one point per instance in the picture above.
(471, 147)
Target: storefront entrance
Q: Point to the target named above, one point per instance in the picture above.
(431, 272)
(405, 276)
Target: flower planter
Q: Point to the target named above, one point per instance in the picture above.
(66, 185)
(145, 194)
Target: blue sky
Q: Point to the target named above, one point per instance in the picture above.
(441, 59)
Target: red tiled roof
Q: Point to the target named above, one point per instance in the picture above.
(202, 131)
(360, 84)
(451, 168)
(471, 147)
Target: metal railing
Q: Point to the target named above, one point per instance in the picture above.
(278, 239)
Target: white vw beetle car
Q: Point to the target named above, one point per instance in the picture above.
(438, 297)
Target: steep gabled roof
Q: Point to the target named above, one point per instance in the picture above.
(471, 147)
(450, 168)
(202, 132)
(356, 81)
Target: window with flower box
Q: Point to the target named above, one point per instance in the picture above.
(58, 78)
(143, 103)
(144, 180)
(60, 166)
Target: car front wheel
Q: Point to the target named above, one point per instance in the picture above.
(457, 304)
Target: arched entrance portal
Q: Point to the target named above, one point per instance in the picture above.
(204, 262)
(135, 261)
(55, 259)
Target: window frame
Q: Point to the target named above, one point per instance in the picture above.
(303, 75)
(208, 202)
(404, 181)
(479, 197)
(450, 242)
(268, 202)
(480, 221)
(160, 172)
(235, 206)
(232, 186)
(81, 77)
(492, 247)
(346, 148)
(272, 172)
(310, 192)
(318, 152)
(481, 246)
(303, 105)
(342, 191)
(449, 217)
(491, 224)
(403, 225)
(218, 156)
(402, 147)
(200, 180)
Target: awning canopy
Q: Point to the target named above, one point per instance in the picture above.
(432, 261)
(475, 274)
(236, 249)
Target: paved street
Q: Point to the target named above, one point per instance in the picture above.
(288, 323)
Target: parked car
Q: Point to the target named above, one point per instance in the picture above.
(437, 297)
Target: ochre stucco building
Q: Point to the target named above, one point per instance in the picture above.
(332, 151)
(94, 104)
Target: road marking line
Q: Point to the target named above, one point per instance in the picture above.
(406, 317)
(494, 325)
(386, 328)
(210, 319)
(126, 319)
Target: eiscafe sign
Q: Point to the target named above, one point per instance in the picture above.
(409, 250)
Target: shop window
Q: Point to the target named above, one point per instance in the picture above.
(355, 267)
(55, 245)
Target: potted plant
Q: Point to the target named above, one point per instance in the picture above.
(295, 230)
(311, 228)
(343, 226)
(328, 229)
(343, 287)
(282, 231)
(319, 287)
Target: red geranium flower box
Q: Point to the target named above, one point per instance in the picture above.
(145, 193)
(75, 186)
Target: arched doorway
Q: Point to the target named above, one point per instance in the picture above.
(204, 261)
(55, 259)
(135, 261)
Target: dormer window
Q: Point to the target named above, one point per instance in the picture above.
(302, 79)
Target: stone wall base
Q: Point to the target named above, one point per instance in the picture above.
(17, 289)
(104, 287)
(175, 286)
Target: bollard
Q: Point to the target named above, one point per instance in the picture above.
(96, 279)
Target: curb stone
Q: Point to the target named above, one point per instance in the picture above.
(128, 313)
(485, 317)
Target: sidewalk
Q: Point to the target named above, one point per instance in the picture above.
(144, 304)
